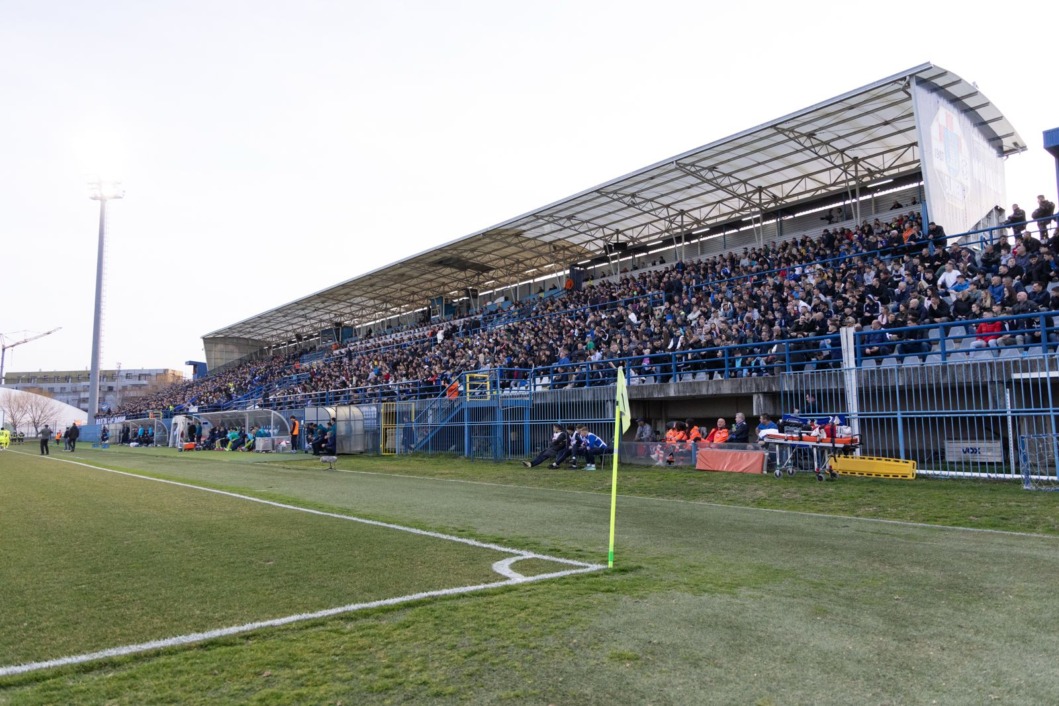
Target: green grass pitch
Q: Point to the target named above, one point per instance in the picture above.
(726, 589)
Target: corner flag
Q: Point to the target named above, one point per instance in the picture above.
(622, 422)
(623, 403)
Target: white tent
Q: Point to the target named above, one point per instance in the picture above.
(60, 416)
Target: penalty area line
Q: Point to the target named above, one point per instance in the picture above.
(193, 638)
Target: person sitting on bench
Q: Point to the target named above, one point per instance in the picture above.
(591, 446)
(559, 444)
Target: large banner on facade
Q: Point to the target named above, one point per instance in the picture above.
(963, 174)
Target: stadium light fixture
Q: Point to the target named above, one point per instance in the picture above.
(102, 191)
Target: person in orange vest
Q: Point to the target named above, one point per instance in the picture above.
(694, 433)
(677, 433)
(295, 429)
(719, 434)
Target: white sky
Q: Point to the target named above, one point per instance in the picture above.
(271, 149)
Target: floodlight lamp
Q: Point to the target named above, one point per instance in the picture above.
(101, 190)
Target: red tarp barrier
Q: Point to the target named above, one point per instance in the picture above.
(715, 459)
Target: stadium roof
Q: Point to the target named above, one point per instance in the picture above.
(853, 140)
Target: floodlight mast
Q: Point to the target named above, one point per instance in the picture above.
(101, 191)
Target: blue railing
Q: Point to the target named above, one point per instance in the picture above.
(1024, 335)
(1021, 335)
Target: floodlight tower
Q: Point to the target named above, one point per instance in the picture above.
(101, 191)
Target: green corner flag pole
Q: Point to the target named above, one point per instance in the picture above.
(622, 421)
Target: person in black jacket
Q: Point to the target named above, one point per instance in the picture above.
(914, 341)
(740, 433)
(559, 444)
(1043, 215)
(73, 435)
(1026, 330)
(1017, 220)
(937, 235)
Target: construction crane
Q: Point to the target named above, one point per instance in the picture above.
(3, 352)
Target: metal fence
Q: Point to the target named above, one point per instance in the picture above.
(960, 419)
(957, 419)
(501, 424)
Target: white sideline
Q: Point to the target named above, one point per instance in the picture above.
(502, 567)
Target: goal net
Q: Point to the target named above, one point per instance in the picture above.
(1037, 457)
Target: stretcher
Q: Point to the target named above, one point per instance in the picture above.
(793, 449)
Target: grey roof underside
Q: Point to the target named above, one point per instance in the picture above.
(859, 137)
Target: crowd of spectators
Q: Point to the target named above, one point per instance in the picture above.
(877, 276)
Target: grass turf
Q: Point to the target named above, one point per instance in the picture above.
(710, 603)
(92, 560)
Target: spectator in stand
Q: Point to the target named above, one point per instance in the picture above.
(1025, 330)
(1043, 215)
(1038, 294)
(962, 306)
(1036, 271)
(996, 288)
(1017, 219)
(938, 310)
(937, 235)
(876, 342)
(947, 279)
(913, 341)
(989, 333)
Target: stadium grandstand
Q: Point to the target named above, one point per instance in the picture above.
(851, 259)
